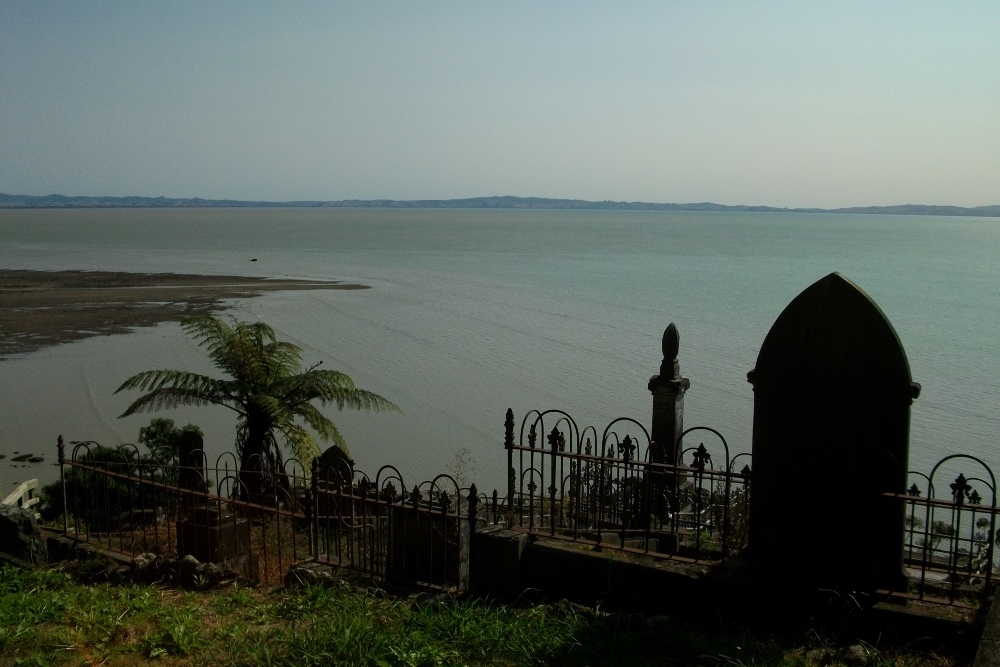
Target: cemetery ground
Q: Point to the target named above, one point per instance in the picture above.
(79, 612)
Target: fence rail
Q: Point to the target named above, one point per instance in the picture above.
(377, 527)
(595, 490)
(951, 531)
(606, 491)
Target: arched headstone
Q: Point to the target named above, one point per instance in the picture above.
(832, 395)
(336, 466)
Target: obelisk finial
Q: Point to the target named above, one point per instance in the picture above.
(669, 367)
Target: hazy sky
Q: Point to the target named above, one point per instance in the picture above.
(778, 103)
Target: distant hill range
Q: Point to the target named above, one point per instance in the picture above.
(61, 201)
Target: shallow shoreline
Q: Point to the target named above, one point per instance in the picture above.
(44, 308)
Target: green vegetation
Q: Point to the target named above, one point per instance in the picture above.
(50, 617)
(98, 501)
(108, 497)
(162, 439)
(268, 390)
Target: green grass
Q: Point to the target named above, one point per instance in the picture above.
(51, 618)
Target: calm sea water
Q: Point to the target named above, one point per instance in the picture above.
(475, 311)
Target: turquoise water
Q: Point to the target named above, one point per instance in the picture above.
(475, 311)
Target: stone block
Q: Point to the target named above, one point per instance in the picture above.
(20, 536)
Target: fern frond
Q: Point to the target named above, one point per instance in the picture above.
(359, 399)
(171, 397)
(304, 447)
(317, 421)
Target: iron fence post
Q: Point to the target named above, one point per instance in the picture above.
(959, 489)
(991, 538)
(554, 444)
(508, 443)
(473, 510)
(725, 512)
(312, 511)
(61, 447)
(646, 502)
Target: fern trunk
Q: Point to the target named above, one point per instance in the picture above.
(252, 461)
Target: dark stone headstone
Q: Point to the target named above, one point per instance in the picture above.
(191, 457)
(335, 466)
(20, 536)
(191, 473)
(832, 395)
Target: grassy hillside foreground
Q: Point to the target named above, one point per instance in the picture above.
(52, 617)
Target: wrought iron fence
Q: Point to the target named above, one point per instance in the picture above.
(378, 527)
(605, 491)
(950, 531)
(601, 491)
(129, 503)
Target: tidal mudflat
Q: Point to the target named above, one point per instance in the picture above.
(43, 308)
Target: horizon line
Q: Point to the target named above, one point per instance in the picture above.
(484, 202)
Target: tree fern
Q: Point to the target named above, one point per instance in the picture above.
(267, 388)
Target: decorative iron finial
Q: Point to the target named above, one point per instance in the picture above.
(554, 440)
(669, 367)
(626, 448)
(960, 490)
(701, 457)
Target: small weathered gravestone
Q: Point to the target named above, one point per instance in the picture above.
(191, 458)
(206, 531)
(832, 395)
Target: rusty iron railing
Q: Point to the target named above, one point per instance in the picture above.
(376, 526)
(601, 492)
(950, 531)
(605, 491)
(125, 502)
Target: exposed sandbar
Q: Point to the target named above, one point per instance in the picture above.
(43, 308)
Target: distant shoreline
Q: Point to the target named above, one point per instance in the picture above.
(44, 308)
(506, 202)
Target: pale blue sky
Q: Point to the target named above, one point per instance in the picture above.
(776, 103)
